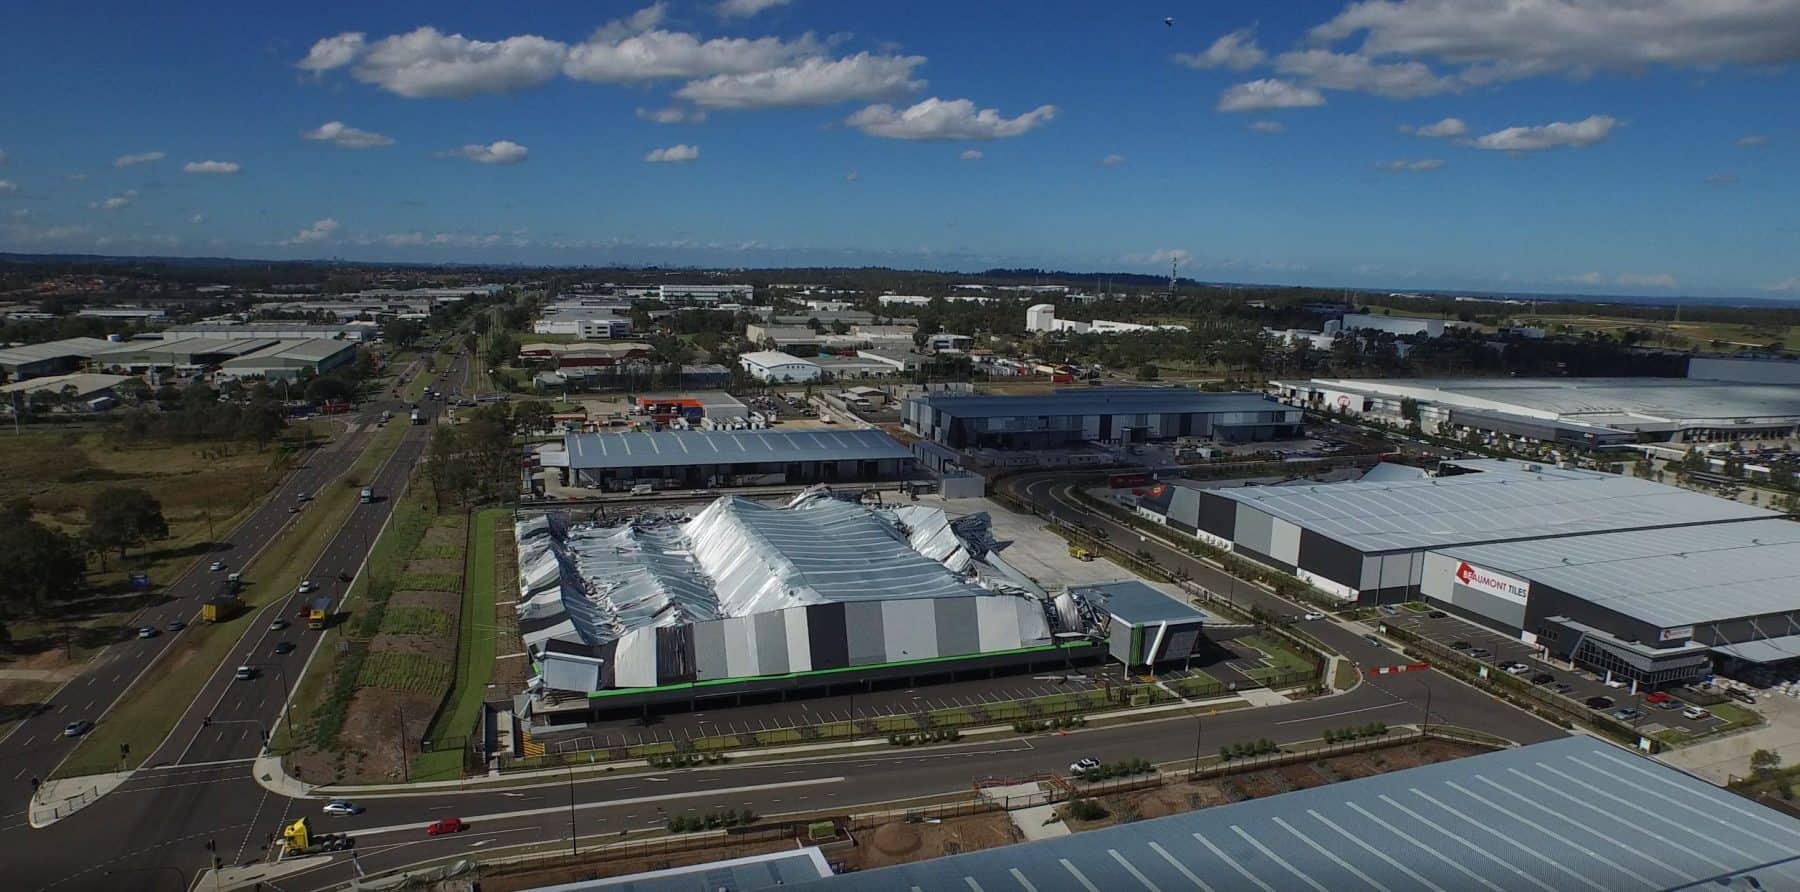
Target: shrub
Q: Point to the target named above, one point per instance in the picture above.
(1086, 810)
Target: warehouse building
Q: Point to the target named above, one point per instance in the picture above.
(1366, 540)
(285, 331)
(291, 360)
(750, 598)
(51, 357)
(1144, 627)
(776, 367)
(180, 355)
(1571, 813)
(1588, 412)
(1659, 606)
(708, 459)
(1107, 415)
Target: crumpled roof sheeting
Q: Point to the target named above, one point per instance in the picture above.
(822, 550)
(642, 575)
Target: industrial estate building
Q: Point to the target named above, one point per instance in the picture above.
(752, 598)
(706, 459)
(50, 358)
(1144, 627)
(1572, 813)
(1107, 415)
(1620, 574)
(291, 360)
(777, 367)
(1590, 412)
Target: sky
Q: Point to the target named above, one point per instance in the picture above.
(1645, 147)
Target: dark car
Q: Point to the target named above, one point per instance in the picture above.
(1480, 653)
(1542, 678)
(1373, 641)
(1437, 614)
(1599, 702)
(1460, 645)
(284, 647)
(1563, 687)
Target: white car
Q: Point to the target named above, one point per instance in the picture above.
(1083, 766)
(306, 585)
(215, 566)
(342, 808)
(1694, 713)
(1309, 617)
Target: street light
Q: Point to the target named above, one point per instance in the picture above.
(572, 836)
(1196, 769)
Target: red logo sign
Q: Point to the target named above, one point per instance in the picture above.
(1343, 401)
(1465, 574)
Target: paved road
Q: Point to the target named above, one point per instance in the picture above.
(37, 746)
(158, 824)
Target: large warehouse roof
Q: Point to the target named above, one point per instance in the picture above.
(666, 448)
(1100, 401)
(286, 352)
(1568, 814)
(1478, 508)
(29, 353)
(1744, 569)
(1612, 402)
(180, 350)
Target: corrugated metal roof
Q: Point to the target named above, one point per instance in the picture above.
(1480, 508)
(1137, 603)
(1101, 401)
(675, 448)
(1659, 576)
(1763, 650)
(29, 353)
(1570, 814)
(1594, 399)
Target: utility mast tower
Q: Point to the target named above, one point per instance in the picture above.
(1173, 263)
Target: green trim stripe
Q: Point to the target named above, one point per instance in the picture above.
(620, 692)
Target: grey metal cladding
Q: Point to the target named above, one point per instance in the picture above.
(863, 628)
(1218, 515)
(771, 643)
(1493, 607)
(1284, 542)
(958, 627)
(1184, 505)
(910, 629)
(1254, 529)
(709, 650)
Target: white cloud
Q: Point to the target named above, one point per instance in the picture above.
(852, 176)
(1113, 160)
(743, 9)
(810, 82)
(140, 158)
(1161, 257)
(21, 213)
(970, 155)
(1508, 39)
(1445, 128)
(426, 63)
(1583, 279)
(121, 200)
(197, 219)
(1752, 141)
(1791, 283)
(439, 239)
(210, 167)
(1404, 166)
(340, 134)
(676, 154)
(333, 52)
(1267, 126)
(1648, 280)
(935, 118)
(1237, 51)
(321, 230)
(637, 23)
(8, 186)
(1360, 74)
(498, 152)
(24, 234)
(1578, 134)
(1268, 93)
(1721, 179)
(672, 115)
(611, 57)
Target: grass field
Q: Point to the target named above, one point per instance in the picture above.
(1283, 659)
(428, 582)
(414, 621)
(155, 703)
(474, 649)
(415, 673)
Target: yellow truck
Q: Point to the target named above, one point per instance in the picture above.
(220, 608)
(1079, 553)
(298, 839)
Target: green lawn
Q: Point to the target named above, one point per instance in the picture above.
(474, 650)
(1282, 659)
(155, 702)
(414, 673)
(414, 621)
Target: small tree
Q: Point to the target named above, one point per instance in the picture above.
(123, 517)
(1148, 372)
(1763, 761)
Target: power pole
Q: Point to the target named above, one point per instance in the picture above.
(405, 770)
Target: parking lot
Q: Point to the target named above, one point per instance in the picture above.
(1496, 649)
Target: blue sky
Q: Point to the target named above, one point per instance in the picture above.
(1524, 145)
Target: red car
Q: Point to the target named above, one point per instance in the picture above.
(1657, 697)
(447, 825)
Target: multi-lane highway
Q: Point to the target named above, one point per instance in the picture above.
(155, 829)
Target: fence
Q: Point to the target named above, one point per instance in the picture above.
(64, 806)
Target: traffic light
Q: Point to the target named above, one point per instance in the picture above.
(124, 750)
(206, 721)
(212, 846)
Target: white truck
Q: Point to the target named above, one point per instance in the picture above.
(417, 418)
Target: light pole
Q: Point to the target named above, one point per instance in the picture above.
(572, 837)
(1425, 724)
(1196, 769)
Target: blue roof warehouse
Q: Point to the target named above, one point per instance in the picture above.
(1104, 414)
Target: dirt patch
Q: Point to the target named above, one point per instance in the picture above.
(445, 601)
(621, 862)
(369, 746)
(406, 644)
(451, 535)
(898, 842)
(453, 566)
